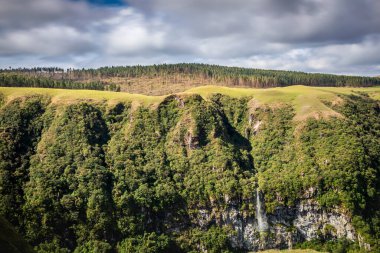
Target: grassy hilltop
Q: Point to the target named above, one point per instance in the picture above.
(307, 101)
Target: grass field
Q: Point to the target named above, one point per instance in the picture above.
(65, 95)
(307, 101)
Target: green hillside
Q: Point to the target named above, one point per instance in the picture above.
(10, 240)
(96, 171)
(172, 78)
(307, 101)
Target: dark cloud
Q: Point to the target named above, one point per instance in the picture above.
(24, 14)
(49, 40)
(275, 20)
(338, 36)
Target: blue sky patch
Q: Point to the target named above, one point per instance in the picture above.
(107, 2)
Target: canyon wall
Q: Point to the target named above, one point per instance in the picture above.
(189, 174)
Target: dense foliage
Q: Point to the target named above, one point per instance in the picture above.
(98, 177)
(10, 240)
(19, 79)
(239, 76)
(102, 78)
(337, 161)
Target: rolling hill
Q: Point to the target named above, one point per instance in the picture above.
(172, 78)
(307, 101)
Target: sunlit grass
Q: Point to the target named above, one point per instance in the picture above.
(65, 95)
(307, 101)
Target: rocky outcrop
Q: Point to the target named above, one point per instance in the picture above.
(286, 226)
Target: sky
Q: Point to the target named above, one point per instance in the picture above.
(332, 36)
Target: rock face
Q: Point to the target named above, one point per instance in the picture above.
(283, 228)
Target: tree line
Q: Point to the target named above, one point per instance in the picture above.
(230, 76)
(17, 79)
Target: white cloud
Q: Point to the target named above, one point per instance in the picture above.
(341, 36)
(130, 34)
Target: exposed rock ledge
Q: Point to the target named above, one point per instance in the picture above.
(287, 226)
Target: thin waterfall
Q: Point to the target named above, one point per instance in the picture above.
(262, 220)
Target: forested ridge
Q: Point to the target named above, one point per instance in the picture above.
(113, 177)
(20, 79)
(171, 77)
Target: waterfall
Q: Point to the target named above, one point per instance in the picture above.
(262, 220)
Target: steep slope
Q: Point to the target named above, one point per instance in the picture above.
(95, 171)
(11, 241)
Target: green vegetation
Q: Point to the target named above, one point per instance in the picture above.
(21, 80)
(338, 246)
(308, 102)
(290, 251)
(339, 158)
(238, 76)
(61, 96)
(11, 241)
(91, 171)
(172, 78)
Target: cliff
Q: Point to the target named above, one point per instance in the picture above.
(191, 173)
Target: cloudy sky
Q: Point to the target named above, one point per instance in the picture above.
(335, 36)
